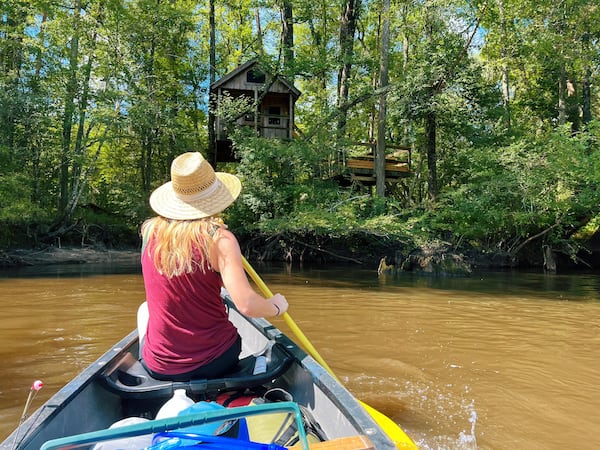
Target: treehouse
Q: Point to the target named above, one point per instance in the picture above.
(274, 97)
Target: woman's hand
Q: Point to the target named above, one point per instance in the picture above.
(280, 303)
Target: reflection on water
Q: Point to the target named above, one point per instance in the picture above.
(577, 287)
(71, 270)
(494, 361)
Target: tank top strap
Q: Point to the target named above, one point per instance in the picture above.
(213, 228)
(145, 239)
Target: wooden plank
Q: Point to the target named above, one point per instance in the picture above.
(390, 165)
(345, 443)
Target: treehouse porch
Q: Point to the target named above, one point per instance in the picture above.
(360, 164)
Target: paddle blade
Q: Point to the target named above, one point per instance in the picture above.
(391, 428)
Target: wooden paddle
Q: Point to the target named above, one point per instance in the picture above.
(391, 428)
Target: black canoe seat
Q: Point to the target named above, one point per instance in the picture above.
(128, 378)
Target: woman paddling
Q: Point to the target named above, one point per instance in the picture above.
(188, 255)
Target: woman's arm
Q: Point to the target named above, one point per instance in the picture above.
(227, 259)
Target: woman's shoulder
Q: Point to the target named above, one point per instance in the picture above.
(226, 241)
(223, 234)
(225, 248)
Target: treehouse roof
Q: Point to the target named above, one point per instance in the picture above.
(238, 79)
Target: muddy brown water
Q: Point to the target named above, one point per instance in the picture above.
(493, 361)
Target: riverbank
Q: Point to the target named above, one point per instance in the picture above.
(431, 261)
(384, 256)
(434, 260)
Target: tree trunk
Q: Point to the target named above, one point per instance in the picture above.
(287, 33)
(559, 28)
(81, 181)
(146, 160)
(431, 146)
(11, 61)
(259, 33)
(586, 97)
(505, 70)
(431, 117)
(383, 82)
(79, 152)
(70, 94)
(506, 96)
(36, 148)
(321, 46)
(347, 31)
(572, 104)
(374, 80)
(562, 95)
(406, 45)
(212, 61)
(549, 259)
(149, 132)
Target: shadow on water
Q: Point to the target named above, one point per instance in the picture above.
(577, 286)
(71, 270)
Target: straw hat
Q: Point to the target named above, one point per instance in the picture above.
(195, 190)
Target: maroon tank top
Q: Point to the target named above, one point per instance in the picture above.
(188, 325)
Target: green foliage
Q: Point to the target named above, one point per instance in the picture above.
(96, 99)
(276, 175)
(20, 218)
(100, 227)
(545, 183)
(15, 201)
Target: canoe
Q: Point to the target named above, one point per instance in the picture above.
(115, 399)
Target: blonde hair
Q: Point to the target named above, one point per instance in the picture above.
(179, 246)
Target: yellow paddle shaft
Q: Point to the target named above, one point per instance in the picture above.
(312, 351)
(391, 428)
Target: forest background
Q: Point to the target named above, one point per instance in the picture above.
(496, 98)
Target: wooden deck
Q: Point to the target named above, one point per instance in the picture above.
(362, 169)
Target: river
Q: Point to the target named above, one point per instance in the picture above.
(494, 361)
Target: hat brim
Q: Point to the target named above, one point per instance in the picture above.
(166, 203)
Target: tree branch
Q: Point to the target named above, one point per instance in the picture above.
(313, 247)
(516, 250)
(345, 107)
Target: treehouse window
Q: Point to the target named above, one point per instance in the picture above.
(274, 111)
(255, 76)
